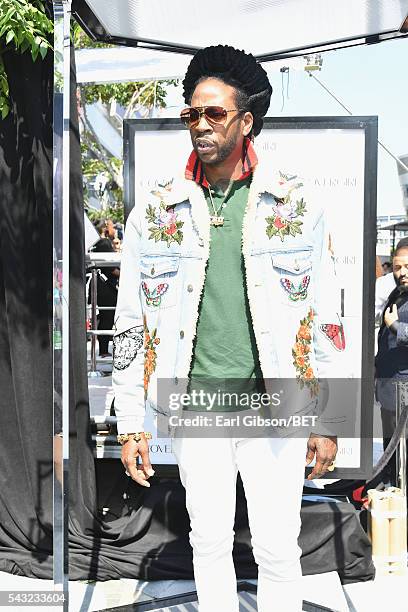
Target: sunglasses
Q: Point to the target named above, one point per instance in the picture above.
(190, 117)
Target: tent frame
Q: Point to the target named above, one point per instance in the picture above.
(96, 31)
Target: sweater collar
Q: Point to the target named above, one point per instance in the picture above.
(195, 170)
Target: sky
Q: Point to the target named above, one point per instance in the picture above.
(369, 80)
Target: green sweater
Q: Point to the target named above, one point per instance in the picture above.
(225, 353)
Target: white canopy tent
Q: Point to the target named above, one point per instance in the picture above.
(121, 64)
(267, 28)
(270, 29)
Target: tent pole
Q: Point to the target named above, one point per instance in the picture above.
(61, 172)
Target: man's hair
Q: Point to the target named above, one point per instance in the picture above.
(402, 245)
(235, 68)
(101, 224)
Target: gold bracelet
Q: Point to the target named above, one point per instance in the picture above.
(122, 438)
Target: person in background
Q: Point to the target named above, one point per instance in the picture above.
(117, 245)
(387, 267)
(119, 230)
(383, 287)
(392, 357)
(107, 283)
(107, 232)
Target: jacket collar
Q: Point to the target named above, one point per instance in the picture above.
(265, 180)
(275, 183)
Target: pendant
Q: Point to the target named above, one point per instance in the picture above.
(216, 220)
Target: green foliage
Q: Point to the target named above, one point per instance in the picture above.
(147, 95)
(81, 40)
(93, 166)
(24, 26)
(4, 92)
(131, 96)
(116, 213)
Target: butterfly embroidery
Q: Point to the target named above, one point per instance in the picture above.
(335, 335)
(298, 292)
(154, 296)
(158, 191)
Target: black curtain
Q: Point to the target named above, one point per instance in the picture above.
(26, 417)
(145, 535)
(25, 317)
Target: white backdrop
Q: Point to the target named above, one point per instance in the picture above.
(331, 163)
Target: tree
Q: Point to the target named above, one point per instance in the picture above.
(24, 26)
(132, 97)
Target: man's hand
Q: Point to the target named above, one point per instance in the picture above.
(390, 316)
(325, 448)
(131, 450)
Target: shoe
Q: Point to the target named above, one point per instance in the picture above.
(103, 355)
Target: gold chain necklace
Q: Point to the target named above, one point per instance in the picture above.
(216, 219)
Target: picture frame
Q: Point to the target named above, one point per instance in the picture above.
(337, 157)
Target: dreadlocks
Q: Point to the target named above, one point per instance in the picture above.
(235, 68)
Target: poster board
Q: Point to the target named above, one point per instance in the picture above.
(337, 160)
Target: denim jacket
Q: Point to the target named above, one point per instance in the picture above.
(291, 285)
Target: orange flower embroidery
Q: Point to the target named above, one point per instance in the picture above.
(150, 360)
(301, 349)
(304, 333)
(301, 358)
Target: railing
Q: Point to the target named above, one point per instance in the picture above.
(401, 457)
(96, 262)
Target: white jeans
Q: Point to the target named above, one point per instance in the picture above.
(272, 472)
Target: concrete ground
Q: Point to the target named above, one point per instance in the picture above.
(384, 593)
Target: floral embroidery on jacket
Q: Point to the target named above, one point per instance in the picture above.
(154, 296)
(301, 355)
(151, 341)
(165, 224)
(287, 210)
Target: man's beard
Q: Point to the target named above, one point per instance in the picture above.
(223, 152)
(402, 288)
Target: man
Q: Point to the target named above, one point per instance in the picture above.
(106, 283)
(387, 267)
(247, 307)
(392, 356)
(383, 287)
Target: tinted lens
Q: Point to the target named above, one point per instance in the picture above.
(216, 114)
(190, 117)
(213, 114)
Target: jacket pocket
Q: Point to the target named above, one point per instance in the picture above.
(158, 281)
(293, 273)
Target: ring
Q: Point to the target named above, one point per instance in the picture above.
(331, 467)
(127, 473)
